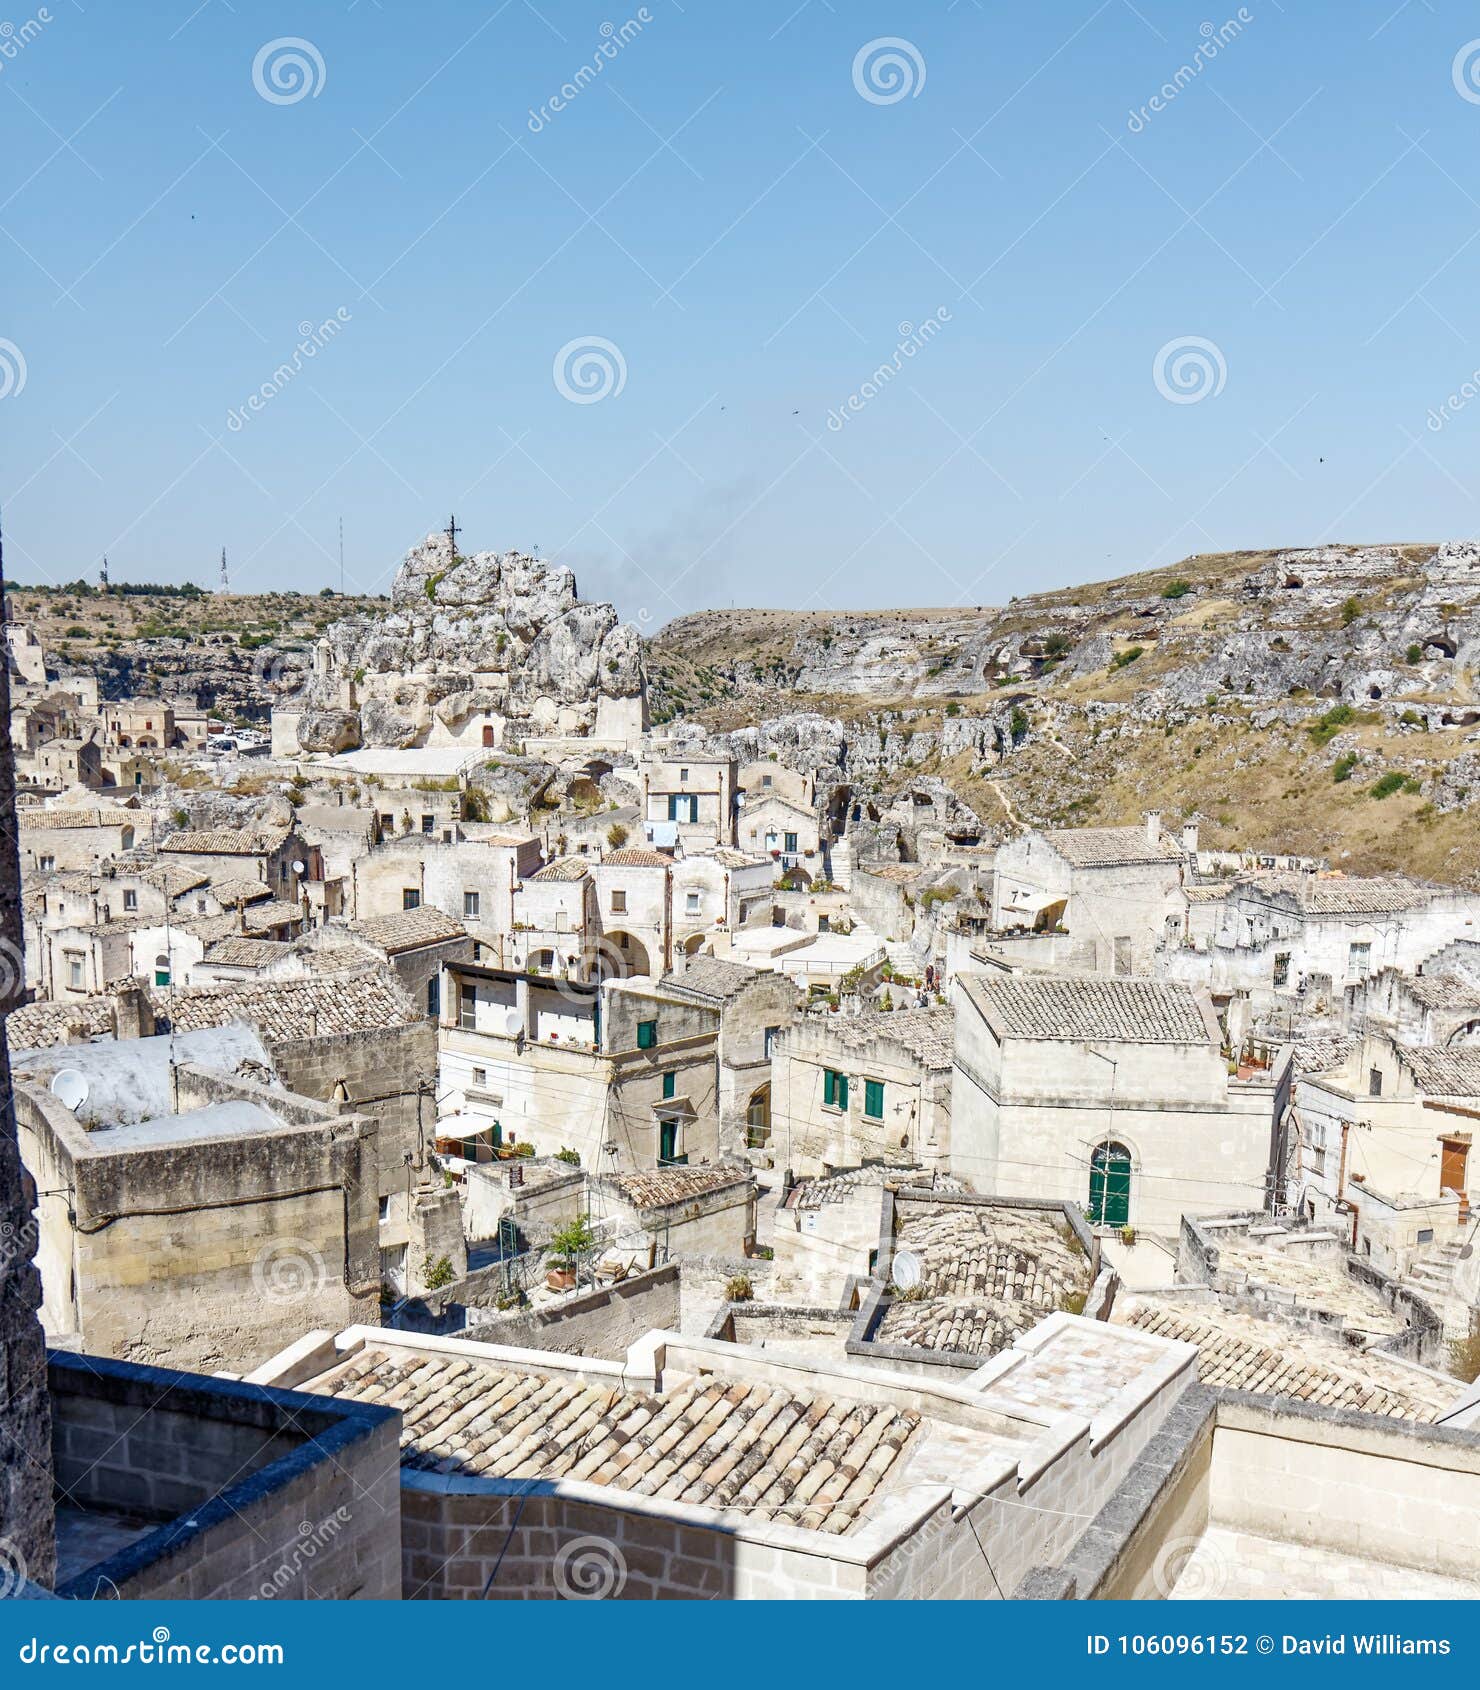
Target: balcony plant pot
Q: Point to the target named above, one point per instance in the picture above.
(560, 1279)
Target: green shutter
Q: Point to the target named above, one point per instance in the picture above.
(873, 1099)
(842, 1091)
(669, 1083)
(829, 1086)
(647, 1034)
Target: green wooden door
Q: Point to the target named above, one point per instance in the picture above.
(1110, 1185)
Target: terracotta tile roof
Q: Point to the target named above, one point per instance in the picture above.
(1444, 1072)
(711, 977)
(836, 1188)
(635, 856)
(1207, 894)
(1443, 991)
(239, 952)
(1338, 894)
(276, 912)
(563, 868)
(901, 873)
(1319, 1055)
(233, 889)
(721, 1443)
(296, 1009)
(172, 880)
(1280, 1365)
(1104, 847)
(989, 1274)
(656, 1188)
(225, 842)
(43, 820)
(929, 1034)
(728, 857)
(409, 930)
(1133, 1011)
(42, 1026)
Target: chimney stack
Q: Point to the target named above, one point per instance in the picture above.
(1189, 836)
(1153, 826)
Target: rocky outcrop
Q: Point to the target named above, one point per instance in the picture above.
(495, 638)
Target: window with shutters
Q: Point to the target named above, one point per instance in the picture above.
(647, 1034)
(834, 1089)
(873, 1099)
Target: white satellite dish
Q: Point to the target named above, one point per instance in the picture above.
(513, 1023)
(299, 866)
(71, 1087)
(909, 1270)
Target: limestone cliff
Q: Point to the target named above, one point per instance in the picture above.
(488, 649)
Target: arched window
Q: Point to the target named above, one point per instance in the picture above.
(1110, 1185)
(758, 1118)
(162, 969)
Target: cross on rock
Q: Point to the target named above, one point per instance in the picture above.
(452, 531)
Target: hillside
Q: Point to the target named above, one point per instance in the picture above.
(1320, 701)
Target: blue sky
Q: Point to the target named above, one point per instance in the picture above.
(742, 217)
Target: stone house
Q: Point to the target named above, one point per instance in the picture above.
(755, 1007)
(147, 724)
(70, 762)
(1117, 891)
(192, 1209)
(1315, 939)
(688, 1211)
(267, 855)
(417, 944)
(565, 1064)
(634, 903)
(1440, 1005)
(556, 922)
(694, 793)
(775, 826)
(1385, 1148)
(58, 840)
(1113, 1094)
(846, 1089)
(472, 880)
(719, 890)
(766, 778)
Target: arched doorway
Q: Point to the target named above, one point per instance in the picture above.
(621, 956)
(758, 1118)
(488, 739)
(1110, 1185)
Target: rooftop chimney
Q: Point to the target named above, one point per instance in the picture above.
(1153, 826)
(1189, 836)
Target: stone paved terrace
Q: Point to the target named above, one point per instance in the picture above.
(1242, 1566)
(1068, 1366)
(1316, 1281)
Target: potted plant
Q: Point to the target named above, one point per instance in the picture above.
(569, 1244)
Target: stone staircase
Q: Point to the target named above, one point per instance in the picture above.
(1432, 1275)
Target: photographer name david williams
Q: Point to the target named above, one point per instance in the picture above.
(1374, 1643)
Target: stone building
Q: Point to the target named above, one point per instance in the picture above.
(57, 840)
(1385, 1147)
(1116, 891)
(417, 944)
(784, 830)
(556, 922)
(1113, 1094)
(191, 1209)
(852, 1088)
(717, 891)
(267, 855)
(755, 1007)
(692, 795)
(567, 1065)
(472, 880)
(634, 904)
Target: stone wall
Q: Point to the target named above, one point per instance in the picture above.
(388, 1072)
(282, 1494)
(604, 1323)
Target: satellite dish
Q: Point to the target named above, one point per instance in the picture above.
(71, 1087)
(909, 1270)
(513, 1023)
(739, 798)
(299, 866)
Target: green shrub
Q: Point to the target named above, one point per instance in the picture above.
(1017, 724)
(1176, 590)
(739, 1289)
(1342, 768)
(1393, 781)
(1411, 719)
(1056, 645)
(1325, 728)
(568, 1155)
(1351, 609)
(1414, 653)
(1124, 659)
(438, 1273)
